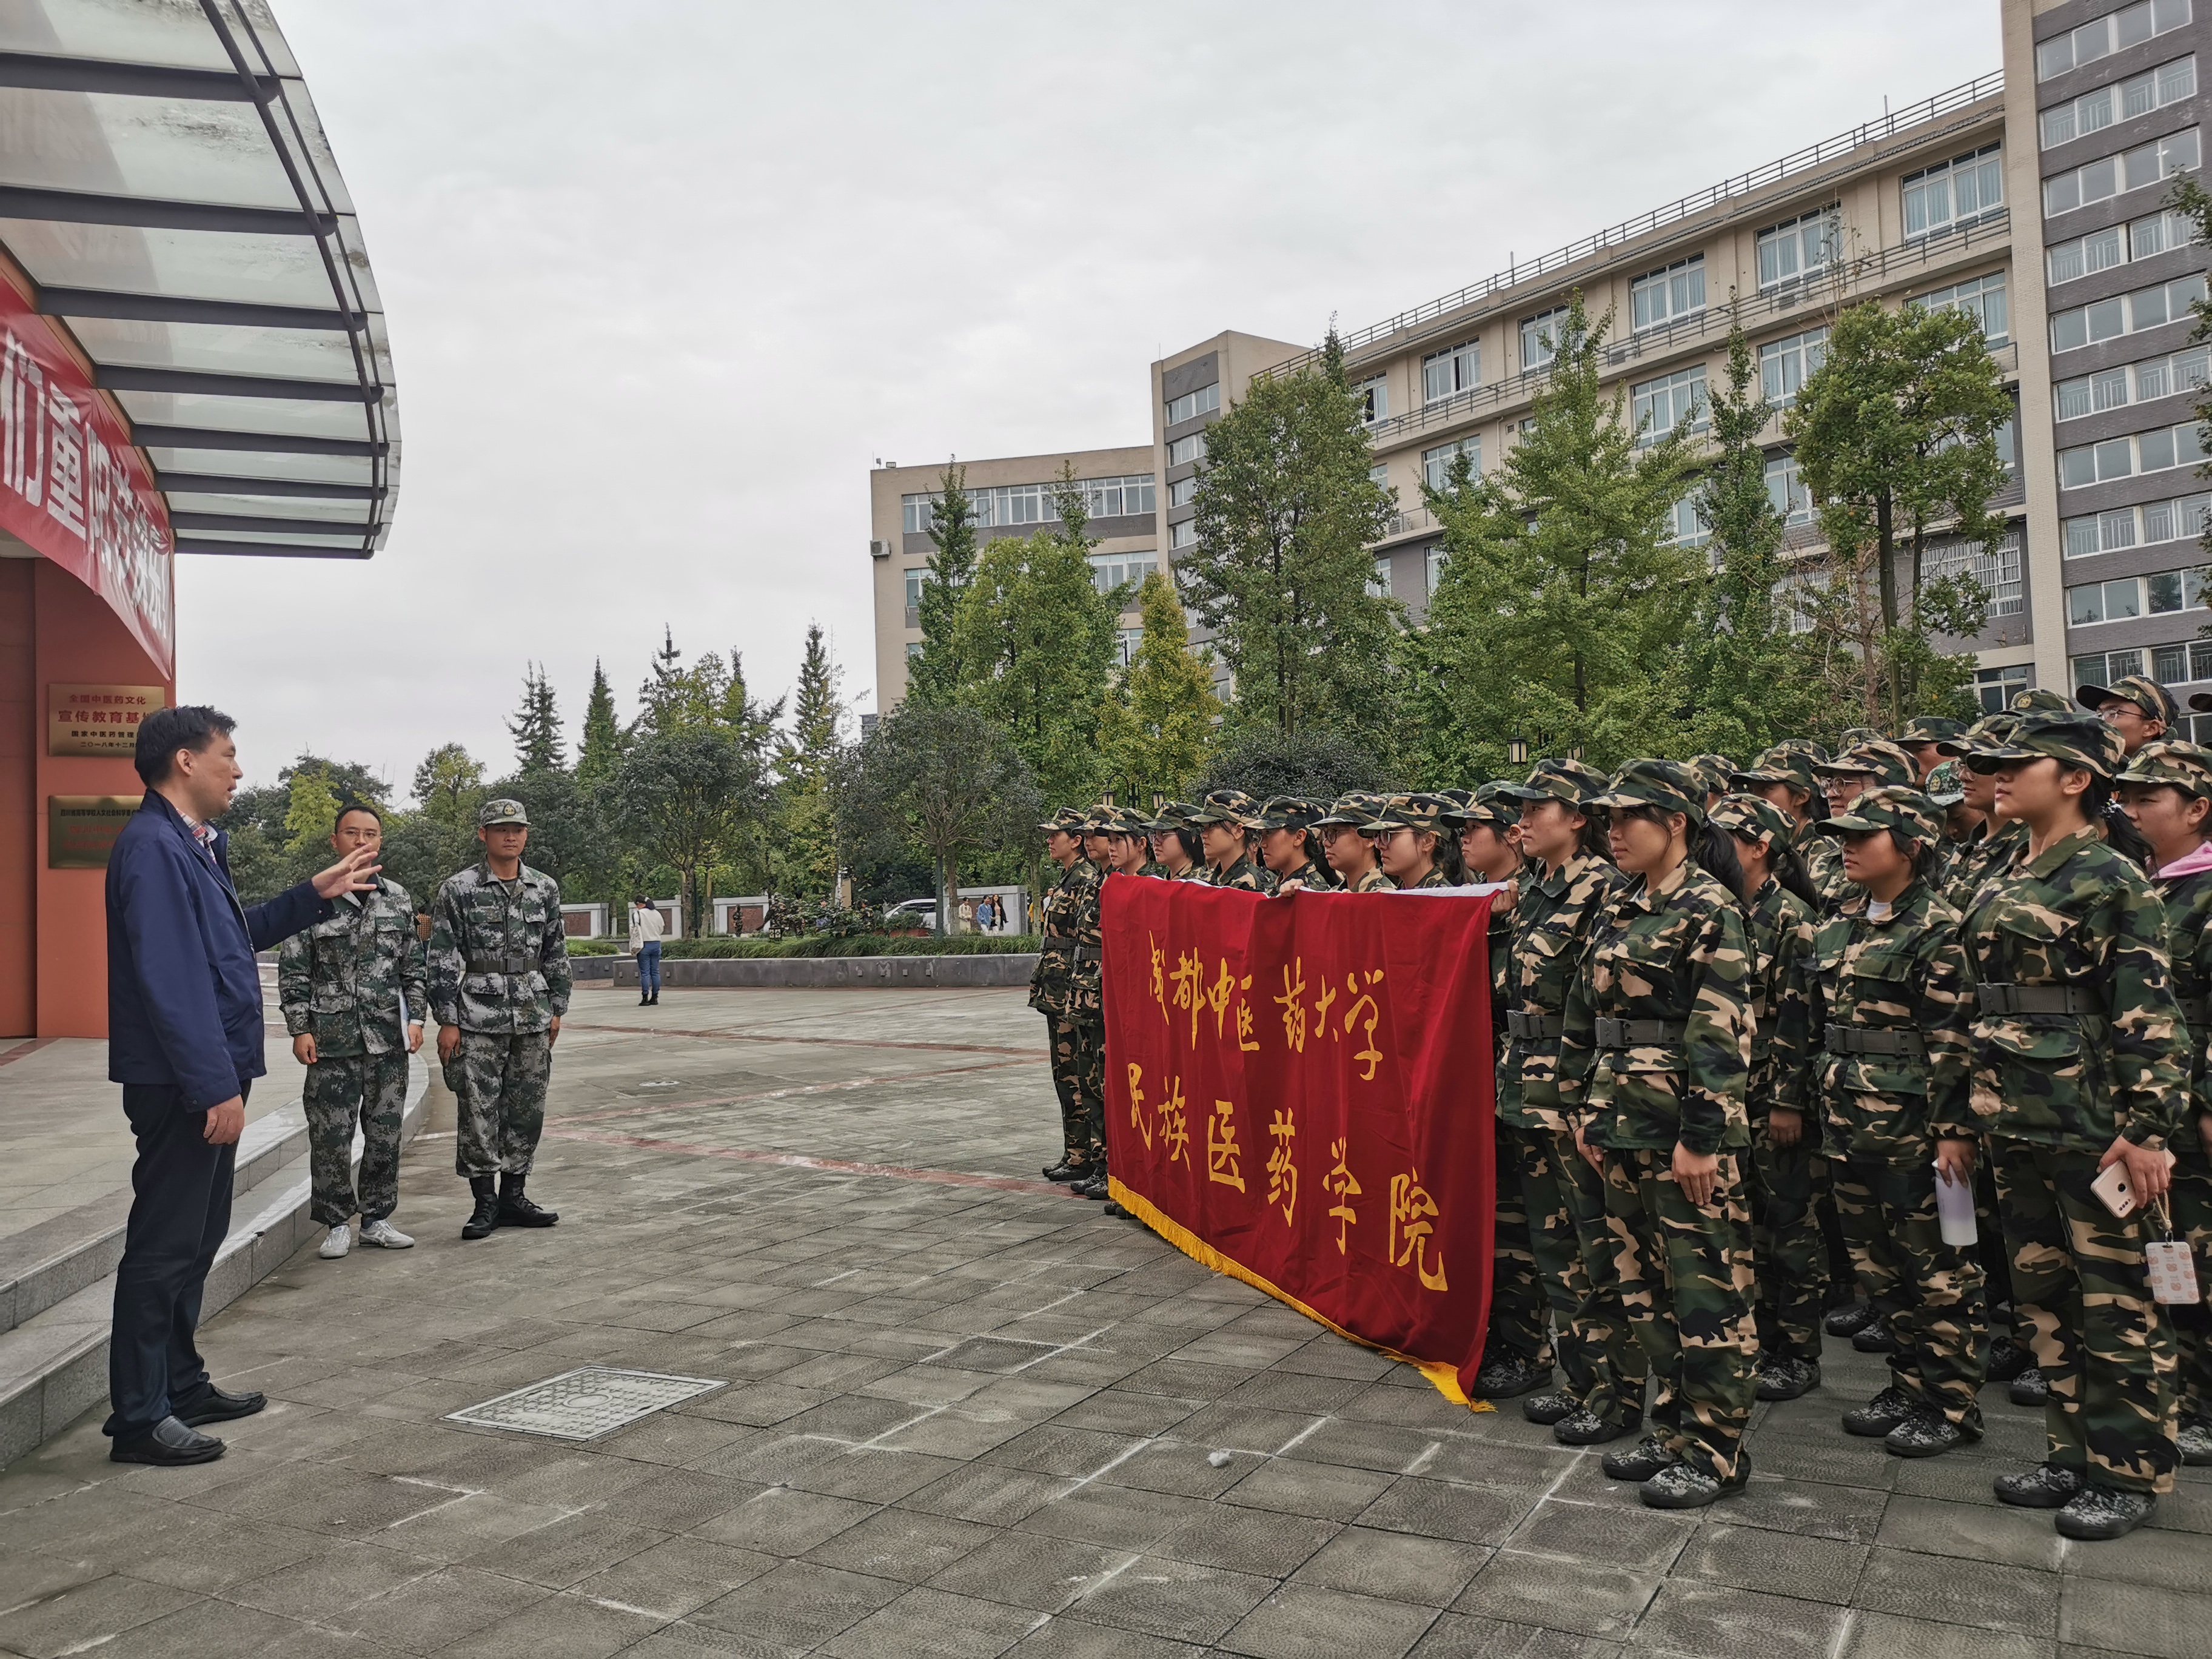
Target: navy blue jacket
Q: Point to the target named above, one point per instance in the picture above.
(184, 993)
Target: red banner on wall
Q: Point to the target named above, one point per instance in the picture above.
(1299, 1092)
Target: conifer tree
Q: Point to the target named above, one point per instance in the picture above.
(600, 753)
(936, 672)
(1158, 727)
(536, 725)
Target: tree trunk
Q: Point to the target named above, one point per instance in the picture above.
(1885, 550)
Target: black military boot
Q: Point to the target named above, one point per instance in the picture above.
(485, 1219)
(1849, 1320)
(515, 1210)
(643, 1000)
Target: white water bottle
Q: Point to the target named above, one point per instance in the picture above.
(1955, 1210)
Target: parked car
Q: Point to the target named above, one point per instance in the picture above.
(913, 913)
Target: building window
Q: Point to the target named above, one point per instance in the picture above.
(1432, 562)
(913, 649)
(1785, 365)
(2115, 176)
(1995, 688)
(2158, 450)
(1374, 397)
(2126, 313)
(1192, 404)
(2132, 383)
(1125, 641)
(1801, 247)
(1183, 535)
(2104, 668)
(1447, 373)
(1982, 298)
(1686, 525)
(1111, 570)
(1437, 463)
(1794, 597)
(1957, 193)
(2126, 597)
(1180, 492)
(914, 578)
(2118, 528)
(1998, 572)
(917, 512)
(2119, 245)
(1183, 450)
(1379, 584)
(1786, 489)
(2130, 26)
(1657, 407)
(2169, 84)
(1666, 295)
(1127, 497)
(1541, 337)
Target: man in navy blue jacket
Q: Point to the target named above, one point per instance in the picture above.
(184, 1039)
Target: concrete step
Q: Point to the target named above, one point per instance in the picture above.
(60, 1296)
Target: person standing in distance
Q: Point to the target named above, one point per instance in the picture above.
(499, 984)
(185, 1040)
(1051, 987)
(646, 929)
(348, 986)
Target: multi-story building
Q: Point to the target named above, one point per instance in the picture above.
(1013, 497)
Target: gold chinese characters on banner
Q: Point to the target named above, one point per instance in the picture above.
(98, 720)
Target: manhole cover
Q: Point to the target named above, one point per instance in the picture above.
(583, 1404)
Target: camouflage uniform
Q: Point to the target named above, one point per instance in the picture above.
(1234, 806)
(1785, 1182)
(353, 983)
(2080, 1040)
(1064, 986)
(1290, 812)
(1654, 1050)
(1790, 763)
(1562, 1197)
(1423, 814)
(1891, 1000)
(499, 971)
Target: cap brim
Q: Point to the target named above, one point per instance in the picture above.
(1851, 824)
(1948, 801)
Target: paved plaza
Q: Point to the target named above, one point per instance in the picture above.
(965, 1414)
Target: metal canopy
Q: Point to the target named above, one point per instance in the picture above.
(169, 194)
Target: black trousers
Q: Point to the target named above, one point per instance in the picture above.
(179, 1218)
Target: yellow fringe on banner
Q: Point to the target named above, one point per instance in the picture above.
(1443, 1375)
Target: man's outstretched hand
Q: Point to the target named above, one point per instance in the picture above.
(353, 873)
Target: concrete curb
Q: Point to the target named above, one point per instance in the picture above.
(815, 973)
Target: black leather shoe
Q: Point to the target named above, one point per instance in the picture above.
(1587, 1428)
(218, 1405)
(483, 1220)
(2046, 1487)
(1926, 1433)
(516, 1209)
(1881, 1414)
(1510, 1375)
(1639, 1462)
(2102, 1512)
(1546, 1409)
(168, 1444)
(1848, 1321)
(2008, 1359)
(1787, 1379)
(2029, 1388)
(1874, 1338)
(1068, 1169)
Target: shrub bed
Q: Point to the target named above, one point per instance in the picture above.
(823, 944)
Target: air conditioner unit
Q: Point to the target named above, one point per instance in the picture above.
(879, 550)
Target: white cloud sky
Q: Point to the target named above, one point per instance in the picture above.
(663, 278)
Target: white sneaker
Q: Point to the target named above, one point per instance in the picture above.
(339, 1242)
(385, 1236)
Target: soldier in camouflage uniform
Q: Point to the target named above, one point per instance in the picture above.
(1128, 847)
(2135, 706)
(1922, 739)
(1349, 848)
(1406, 837)
(1289, 848)
(1176, 844)
(1225, 821)
(1785, 1168)
(2167, 790)
(1784, 778)
(1890, 998)
(1716, 772)
(2080, 1060)
(353, 990)
(1053, 991)
(499, 984)
(1654, 1051)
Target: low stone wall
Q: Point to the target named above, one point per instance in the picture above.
(815, 973)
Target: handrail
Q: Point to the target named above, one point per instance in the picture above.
(1897, 121)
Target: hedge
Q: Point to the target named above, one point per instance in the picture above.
(824, 944)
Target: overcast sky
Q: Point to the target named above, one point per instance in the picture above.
(665, 278)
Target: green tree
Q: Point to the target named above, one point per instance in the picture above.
(936, 673)
(311, 814)
(1896, 435)
(1262, 762)
(2189, 198)
(681, 798)
(1563, 602)
(569, 840)
(600, 753)
(806, 762)
(1155, 731)
(1751, 683)
(1286, 514)
(948, 781)
(449, 784)
(536, 725)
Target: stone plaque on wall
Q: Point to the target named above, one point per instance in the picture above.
(81, 830)
(98, 720)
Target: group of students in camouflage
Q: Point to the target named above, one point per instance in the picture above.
(1755, 1025)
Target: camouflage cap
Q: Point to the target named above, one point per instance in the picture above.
(1103, 819)
(1789, 763)
(2147, 694)
(1292, 812)
(1930, 728)
(1568, 781)
(1227, 807)
(1906, 811)
(2076, 739)
(2040, 702)
(1716, 770)
(504, 812)
(1749, 818)
(1174, 815)
(1980, 735)
(1127, 821)
(1880, 759)
(1359, 811)
(1495, 802)
(2182, 765)
(1418, 811)
(1456, 803)
(1068, 818)
(1854, 735)
(1945, 787)
(1670, 786)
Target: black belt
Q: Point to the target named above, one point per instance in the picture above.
(503, 965)
(1639, 1033)
(1849, 1039)
(1999, 999)
(1069, 943)
(2197, 1011)
(1533, 1028)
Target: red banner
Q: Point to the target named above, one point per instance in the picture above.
(1299, 1093)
